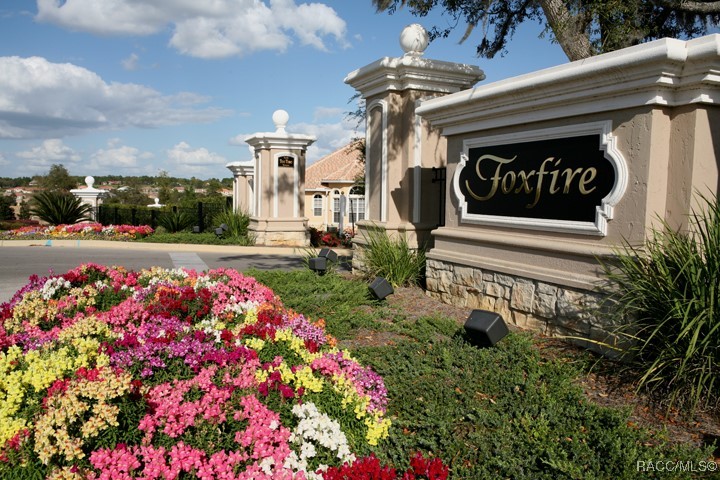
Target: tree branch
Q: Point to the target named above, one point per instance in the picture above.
(569, 30)
(699, 7)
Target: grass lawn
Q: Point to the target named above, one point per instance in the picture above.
(503, 412)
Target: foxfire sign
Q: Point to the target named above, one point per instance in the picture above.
(567, 183)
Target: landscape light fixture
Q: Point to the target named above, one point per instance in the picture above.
(220, 231)
(318, 265)
(196, 229)
(485, 328)
(329, 254)
(380, 288)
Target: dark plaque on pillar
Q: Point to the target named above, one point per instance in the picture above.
(554, 182)
(286, 161)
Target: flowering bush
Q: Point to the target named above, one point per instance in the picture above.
(80, 231)
(319, 238)
(161, 374)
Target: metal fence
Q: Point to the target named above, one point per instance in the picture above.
(201, 215)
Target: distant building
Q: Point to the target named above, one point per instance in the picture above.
(328, 181)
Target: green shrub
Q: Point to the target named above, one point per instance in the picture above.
(236, 222)
(205, 238)
(669, 292)
(392, 258)
(175, 221)
(59, 208)
(505, 412)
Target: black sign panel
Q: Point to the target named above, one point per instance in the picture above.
(555, 179)
(286, 161)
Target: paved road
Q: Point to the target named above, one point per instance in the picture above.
(17, 263)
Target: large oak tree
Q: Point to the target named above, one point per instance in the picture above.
(582, 28)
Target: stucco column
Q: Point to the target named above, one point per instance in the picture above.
(90, 195)
(401, 147)
(243, 176)
(279, 193)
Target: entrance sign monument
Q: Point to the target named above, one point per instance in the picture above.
(549, 171)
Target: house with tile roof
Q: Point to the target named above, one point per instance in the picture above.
(331, 182)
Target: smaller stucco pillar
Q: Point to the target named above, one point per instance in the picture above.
(279, 185)
(90, 195)
(243, 173)
(403, 153)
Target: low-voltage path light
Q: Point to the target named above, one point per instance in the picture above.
(381, 288)
(485, 328)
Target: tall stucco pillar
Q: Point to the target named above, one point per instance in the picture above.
(90, 196)
(243, 173)
(279, 197)
(402, 150)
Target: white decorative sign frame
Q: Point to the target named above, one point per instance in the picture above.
(603, 212)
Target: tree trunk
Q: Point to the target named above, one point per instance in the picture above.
(569, 30)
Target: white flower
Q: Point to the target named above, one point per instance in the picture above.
(318, 429)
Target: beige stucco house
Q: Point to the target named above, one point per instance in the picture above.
(332, 181)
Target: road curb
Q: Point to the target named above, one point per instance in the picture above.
(175, 247)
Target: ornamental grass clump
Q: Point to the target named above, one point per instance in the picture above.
(165, 374)
(392, 258)
(669, 292)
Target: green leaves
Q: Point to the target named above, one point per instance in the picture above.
(59, 208)
(175, 221)
(392, 258)
(669, 293)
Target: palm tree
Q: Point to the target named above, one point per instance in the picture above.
(59, 208)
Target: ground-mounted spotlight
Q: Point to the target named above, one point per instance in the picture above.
(196, 229)
(329, 254)
(485, 328)
(220, 231)
(380, 288)
(318, 265)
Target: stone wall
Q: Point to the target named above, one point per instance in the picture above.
(549, 309)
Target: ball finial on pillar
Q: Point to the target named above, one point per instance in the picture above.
(414, 39)
(280, 119)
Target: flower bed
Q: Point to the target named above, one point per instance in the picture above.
(88, 231)
(160, 374)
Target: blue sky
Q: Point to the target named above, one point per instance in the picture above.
(132, 87)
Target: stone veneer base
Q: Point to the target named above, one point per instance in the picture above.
(579, 316)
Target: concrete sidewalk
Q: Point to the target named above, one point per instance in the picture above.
(167, 247)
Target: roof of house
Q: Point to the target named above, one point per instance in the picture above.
(342, 165)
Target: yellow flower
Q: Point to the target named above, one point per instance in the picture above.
(305, 378)
(256, 344)
(378, 429)
(85, 401)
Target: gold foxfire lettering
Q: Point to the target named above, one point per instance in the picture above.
(529, 182)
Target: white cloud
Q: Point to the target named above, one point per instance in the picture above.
(186, 160)
(206, 29)
(3, 160)
(52, 151)
(131, 63)
(330, 136)
(327, 112)
(129, 160)
(40, 99)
